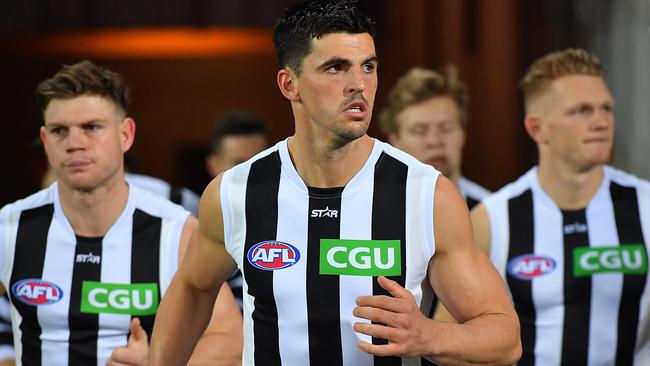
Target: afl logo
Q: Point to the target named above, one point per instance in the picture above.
(271, 255)
(34, 291)
(529, 266)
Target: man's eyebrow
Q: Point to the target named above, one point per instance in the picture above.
(374, 59)
(346, 62)
(335, 61)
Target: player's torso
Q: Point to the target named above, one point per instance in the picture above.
(308, 254)
(578, 278)
(73, 297)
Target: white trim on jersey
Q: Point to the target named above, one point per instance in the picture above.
(643, 338)
(472, 189)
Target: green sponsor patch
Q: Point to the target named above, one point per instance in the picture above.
(119, 298)
(360, 257)
(627, 259)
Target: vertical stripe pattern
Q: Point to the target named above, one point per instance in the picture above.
(31, 242)
(299, 314)
(145, 257)
(577, 293)
(628, 224)
(261, 219)
(587, 302)
(388, 222)
(83, 326)
(323, 290)
(522, 241)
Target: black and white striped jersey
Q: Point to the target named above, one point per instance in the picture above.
(179, 195)
(578, 279)
(307, 253)
(72, 297)
(472, 192)
(6, 337)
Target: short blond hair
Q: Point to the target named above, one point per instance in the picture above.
(419, 85)
(572, 61)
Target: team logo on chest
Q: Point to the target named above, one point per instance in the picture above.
(88, 258)
(627, 259)
(530, 266)
(360, 257)
(326, 212)
(119, 298)
(36, 292)
(273, 255)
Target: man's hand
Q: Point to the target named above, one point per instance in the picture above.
(136, 351)
(400, 322)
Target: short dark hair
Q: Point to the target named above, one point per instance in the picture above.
(236, 123)
(83, 78)
(309, 19)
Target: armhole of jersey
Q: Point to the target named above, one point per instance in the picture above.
(497, 215)
(9, 247)
(226, 209)
(429, 204)
(171, 232)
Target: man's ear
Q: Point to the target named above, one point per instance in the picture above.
(533, 125)
(288, 82)
(127, 133)
(213, 165)
(43, 135)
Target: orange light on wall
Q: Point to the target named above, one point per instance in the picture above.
(150, 42)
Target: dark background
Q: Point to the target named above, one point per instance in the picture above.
(179, 91)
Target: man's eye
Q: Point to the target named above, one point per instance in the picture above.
(334, 68)
(368, 67)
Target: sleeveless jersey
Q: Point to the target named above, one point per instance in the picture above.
(306, 254)
(578, 279)
(6, 337)
(179, 195)
(472, 192)
(72, 298)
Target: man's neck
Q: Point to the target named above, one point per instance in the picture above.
(92, 213)
(326, 166)
(570, 189)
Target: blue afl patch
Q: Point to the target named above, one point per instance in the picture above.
(529, 266)
(36, 292)
(272, 255)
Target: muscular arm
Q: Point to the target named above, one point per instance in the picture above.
(222, 341)
(472, 291)
(481, 230)
(186, 308)
(467, 284)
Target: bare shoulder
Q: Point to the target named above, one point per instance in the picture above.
(481, 227)
(450, 218)
(210, 215)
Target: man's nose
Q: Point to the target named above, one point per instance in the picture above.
(77, 139)
(356, 82)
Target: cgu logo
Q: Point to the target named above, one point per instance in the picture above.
(117, 298)
(360, 257)
(628, 259)
(529, 266)
(34, 291)
(326, 212)
(271, 255)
